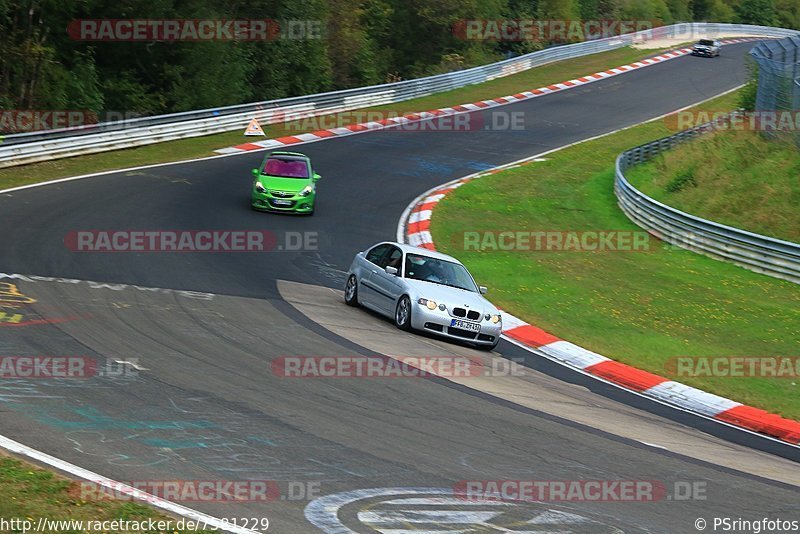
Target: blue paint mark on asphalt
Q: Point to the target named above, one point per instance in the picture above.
(263, 441)
(175, 444)
(95, 420)
(443, 166)
(207, 442)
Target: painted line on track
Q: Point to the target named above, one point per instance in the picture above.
(168, 506)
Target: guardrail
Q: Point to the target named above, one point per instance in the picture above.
(763, 254)
(40, 146)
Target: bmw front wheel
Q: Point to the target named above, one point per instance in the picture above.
(402, 315)
(351, 291)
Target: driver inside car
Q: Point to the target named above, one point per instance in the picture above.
(436, 273)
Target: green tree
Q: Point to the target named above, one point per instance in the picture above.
(363, 42)
(82, 87)
(352, 48)
(700, 9)
(290, 66)
(788, 13)
(680, 10)
(652, 10)
(208, 74)
(589, 9)
(760, 12)
(424, 36)
(720, 12)
(609, 9)
(559, 9)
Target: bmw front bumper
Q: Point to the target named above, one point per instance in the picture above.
(438, 322)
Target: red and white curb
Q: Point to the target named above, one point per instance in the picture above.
(414, 229)
(352, 129)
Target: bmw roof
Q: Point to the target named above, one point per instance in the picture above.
(419, 250)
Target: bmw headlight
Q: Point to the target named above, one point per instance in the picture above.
(260, 188)
(306, 191)
(493, 318)
(430, 304)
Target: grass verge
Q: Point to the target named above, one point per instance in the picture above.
(641, 308)
(198, 147)
(29, 493)
(738, 178)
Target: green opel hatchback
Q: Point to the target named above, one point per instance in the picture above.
(285, 182)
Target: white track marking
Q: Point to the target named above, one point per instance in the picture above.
(80, 472)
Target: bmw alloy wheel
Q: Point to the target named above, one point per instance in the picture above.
(351, 291)
(402, 315)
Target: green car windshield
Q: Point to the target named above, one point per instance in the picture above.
(286, 168)
(439, 271)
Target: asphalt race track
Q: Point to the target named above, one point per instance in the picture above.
(199, 400)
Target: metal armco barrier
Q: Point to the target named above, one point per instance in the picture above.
(759, 253)
(24, 148)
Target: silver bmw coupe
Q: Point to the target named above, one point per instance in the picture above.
(423, 290)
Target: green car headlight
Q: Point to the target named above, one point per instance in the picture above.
(430, 304)
(260, 188)
(307, 190)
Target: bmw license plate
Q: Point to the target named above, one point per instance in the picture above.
(465, 325)
(282, 202)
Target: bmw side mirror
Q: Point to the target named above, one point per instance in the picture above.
(317, 177)
(255, 172)
(391, 270)
(483, 290)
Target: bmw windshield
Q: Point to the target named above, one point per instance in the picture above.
(438, 271)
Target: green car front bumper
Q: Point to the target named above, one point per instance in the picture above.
(295, 204)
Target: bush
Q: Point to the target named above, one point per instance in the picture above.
(749, 94)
